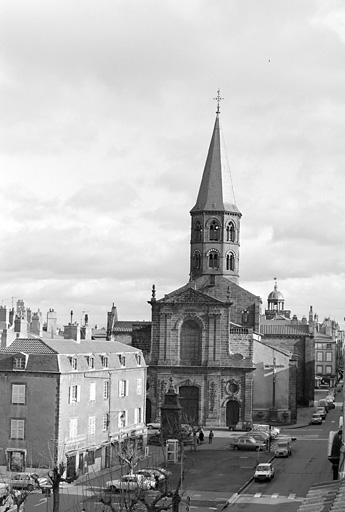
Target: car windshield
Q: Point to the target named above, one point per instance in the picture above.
(262, 467)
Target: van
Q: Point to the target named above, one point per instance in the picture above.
(283, 447)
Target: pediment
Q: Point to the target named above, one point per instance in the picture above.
(190, 296)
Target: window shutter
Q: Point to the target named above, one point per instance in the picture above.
(78, 393)
(70, 394)
(127, 387)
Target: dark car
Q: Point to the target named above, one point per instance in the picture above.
(247, 443)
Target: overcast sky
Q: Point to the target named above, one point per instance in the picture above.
(106, 114)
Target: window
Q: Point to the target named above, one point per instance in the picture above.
(139, 387)
(123, 388)
(213, 260)
(91, 457)
(328, 346)
(19, 363)
(92, 391)
(106, 390)
(90, 362)
(230, 232)
(190, 339)
(105, 361)
(329, 356)
(122, 360)
(230, 261)
(197, 260)
(18, 394)
(214, 231)
(138, 416)
(73, 428)
(92, 425)
(17, 429)
(197, 232)
(319, 368)
(74, 394)
(138, 359)
(105, 422)
(74, 363)
(328, 369)
(319, 356)
(122, 419)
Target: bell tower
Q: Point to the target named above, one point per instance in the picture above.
(215, 218)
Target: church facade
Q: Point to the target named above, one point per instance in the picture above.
(203, 333)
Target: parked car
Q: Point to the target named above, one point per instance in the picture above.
(264, 472)
(153, 426)
(272, 431)
(263, 437)
(330, 402)
(316, 419)
(157, 475)
(23, 481)
(247, 443)
(322, 411)
(132, 482)
(323, 403)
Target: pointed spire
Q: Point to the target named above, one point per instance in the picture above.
(216, 191)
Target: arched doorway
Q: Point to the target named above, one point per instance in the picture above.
(232, 413)
(189, 401)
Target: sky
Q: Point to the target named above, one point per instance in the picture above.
(106, 115)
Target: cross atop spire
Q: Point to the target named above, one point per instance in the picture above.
(218, 99)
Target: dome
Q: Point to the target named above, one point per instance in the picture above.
(276, 295)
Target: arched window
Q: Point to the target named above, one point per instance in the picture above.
(214, 231)
(197, 232)
(213, 260)
(230, 232)
(230, 261)
(197, 260)
(190, 343)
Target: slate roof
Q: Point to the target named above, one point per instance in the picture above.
(127, 325)
(284, 330)
(28, 346)
(216, 190)
(325, 497)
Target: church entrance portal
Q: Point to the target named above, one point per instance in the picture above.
(232, 413)
(189, 401)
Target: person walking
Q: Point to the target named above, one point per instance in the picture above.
(201, 436)
(210, 437)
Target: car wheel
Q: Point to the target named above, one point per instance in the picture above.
(30, 487)
(269, 478)
(235, 447)
(112, 488)
(231, 428)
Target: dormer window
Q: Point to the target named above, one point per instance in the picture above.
(19, 363)
(105, 361)
(138, 359)
(74, 363)
(90, 362)
(122, 360)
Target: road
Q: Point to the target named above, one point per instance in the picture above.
(214, 476)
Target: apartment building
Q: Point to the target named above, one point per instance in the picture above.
(71, 401)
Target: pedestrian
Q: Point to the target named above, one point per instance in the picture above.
(201, 435)
(210, 437)
(195, 441)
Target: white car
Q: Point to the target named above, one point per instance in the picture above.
(264, 472)
(131, 482)
(272, 431)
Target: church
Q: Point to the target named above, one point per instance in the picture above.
(203, 334)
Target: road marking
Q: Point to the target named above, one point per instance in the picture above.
(291, 496)
(275, 495)
(257, 495)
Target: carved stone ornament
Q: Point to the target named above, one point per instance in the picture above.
(232, 387)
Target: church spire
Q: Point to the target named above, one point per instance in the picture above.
(215, 216)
